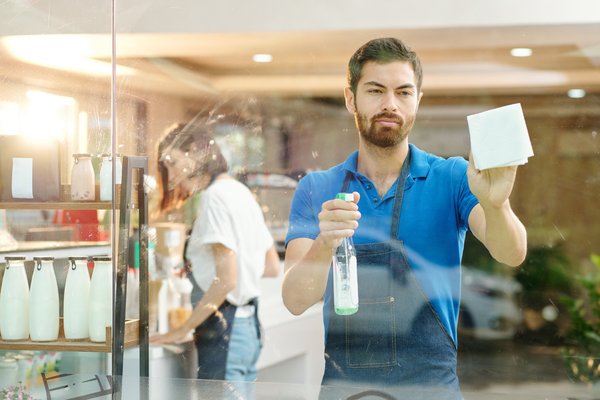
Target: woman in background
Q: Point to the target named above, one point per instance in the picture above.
(230, 249)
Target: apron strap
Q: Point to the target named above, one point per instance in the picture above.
(398, 195)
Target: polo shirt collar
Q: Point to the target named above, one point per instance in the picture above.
(419, 167)
(351, 162)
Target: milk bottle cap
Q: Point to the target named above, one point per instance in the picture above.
(101, 258)
(14, 258)
(43, 258)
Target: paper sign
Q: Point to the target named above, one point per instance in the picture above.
(22, 178)
(499, 137)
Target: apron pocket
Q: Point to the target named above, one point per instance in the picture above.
(371, 334)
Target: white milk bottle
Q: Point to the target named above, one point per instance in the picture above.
(43, 301)
(76, 299)
(14, 300)
(100, 307)
(9, 374)
(106, 176)
(83, 179)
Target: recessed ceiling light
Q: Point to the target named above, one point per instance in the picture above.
(521, 52)
(576, 93)
(262, 58)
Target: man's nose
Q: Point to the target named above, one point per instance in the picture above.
(389, 102)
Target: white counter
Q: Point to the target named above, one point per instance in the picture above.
(293, 345)
(292, 351)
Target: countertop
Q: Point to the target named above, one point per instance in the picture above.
(95, 386)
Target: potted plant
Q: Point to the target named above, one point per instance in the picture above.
(582, 350)
(544, 277)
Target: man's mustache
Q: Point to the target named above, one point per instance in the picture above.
(389, 117)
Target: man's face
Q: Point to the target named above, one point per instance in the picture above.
(386, 102)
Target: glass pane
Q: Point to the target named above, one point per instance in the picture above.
(269, 92)
(55, 73)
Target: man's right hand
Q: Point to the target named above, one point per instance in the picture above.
(338, 219)
(307, 261)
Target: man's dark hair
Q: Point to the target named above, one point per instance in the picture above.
(382, 51)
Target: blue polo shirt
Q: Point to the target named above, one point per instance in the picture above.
(433, 222)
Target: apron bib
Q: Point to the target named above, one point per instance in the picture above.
(212, 342)
(212, 337)
(396, 337)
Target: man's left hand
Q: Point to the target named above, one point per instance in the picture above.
(492, 186)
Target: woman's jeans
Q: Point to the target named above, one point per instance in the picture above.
(244, 349)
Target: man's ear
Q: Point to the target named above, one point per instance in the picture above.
(349, 96)
(420, 96)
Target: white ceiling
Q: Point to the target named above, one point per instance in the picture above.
(457, 60)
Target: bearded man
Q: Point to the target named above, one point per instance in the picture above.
(410, 214)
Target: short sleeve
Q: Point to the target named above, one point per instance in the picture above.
(303, 221)
(465, 199)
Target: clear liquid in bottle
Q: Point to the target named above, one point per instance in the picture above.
(345, 280)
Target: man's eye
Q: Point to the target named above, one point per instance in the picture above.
(374, 91)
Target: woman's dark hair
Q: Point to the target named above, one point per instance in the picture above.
(382, 50)
(203, 152)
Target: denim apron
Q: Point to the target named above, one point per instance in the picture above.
(212, 337)
(396, 337)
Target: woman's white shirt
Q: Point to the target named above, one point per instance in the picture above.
(228, 214)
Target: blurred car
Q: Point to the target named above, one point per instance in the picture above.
(489, 308)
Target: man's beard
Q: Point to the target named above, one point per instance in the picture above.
(383, 136)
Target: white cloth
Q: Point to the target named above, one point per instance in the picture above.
(499, 137)
(228, 214)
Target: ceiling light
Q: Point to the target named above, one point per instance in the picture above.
(61, 53)
(576, 93)
(262, 58)
(521, 52)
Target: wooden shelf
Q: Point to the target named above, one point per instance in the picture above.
(58, 205)
(132, 328)
(65, 202)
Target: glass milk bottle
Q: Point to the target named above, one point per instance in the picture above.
(76, 299)
(83, 184)
(106, 176)
(9, 374)
(14, 300)
(100, 307)
(43, 301)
